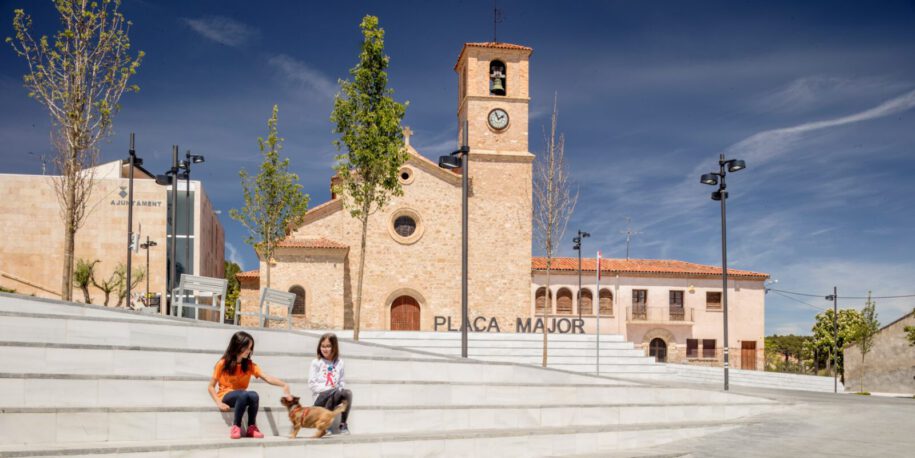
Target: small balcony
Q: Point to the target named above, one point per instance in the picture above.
(659, 315)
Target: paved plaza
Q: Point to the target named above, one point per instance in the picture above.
(816, 425)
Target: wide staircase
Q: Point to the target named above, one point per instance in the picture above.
(579, 353)
(86, 380)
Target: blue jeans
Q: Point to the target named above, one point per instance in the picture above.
(243, 400)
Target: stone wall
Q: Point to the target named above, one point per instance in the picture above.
(889, 366)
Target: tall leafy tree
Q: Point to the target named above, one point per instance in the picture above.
(79, 75)
(554, 203)
(273, 199)
(849, 321)
(368, 120)
(787, 348)
(866, 330)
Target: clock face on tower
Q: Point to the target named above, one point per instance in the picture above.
(498, 119)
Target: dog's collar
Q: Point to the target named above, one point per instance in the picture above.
(296, 409)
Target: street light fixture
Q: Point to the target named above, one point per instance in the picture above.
(733, 165)
(461, 159)
(146, 246)
(577, 247)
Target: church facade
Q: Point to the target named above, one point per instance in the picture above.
(413, 253)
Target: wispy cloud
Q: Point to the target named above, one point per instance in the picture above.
(768, 145)
(222, 30)
(234, 255)
(301, 74)
(814, 91)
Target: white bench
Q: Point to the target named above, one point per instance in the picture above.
(269, 298)
(200, 287)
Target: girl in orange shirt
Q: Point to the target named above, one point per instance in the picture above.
(232, 373)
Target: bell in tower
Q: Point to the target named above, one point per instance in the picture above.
(496, 78)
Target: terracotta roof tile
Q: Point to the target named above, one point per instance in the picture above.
(647, 266)
(312, 243)
(497, 45)
(248, 274)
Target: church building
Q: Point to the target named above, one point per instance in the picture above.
(413, 259)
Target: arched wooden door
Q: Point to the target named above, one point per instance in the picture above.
(658, 349)
(405, 314)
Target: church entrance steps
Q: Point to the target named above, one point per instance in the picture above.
(577, 353)
(475, 352)
(44, 425)
(512, 345)
(549, 441)
(81, 380)
(482, 336)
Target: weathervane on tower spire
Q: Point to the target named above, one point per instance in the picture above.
(496, 20)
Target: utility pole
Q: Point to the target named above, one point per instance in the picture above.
(835, 338)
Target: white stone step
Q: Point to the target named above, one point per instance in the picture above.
(75, 425)
(530, 442)
(716, 378)
(44, 390)
(54, 307)
(147, 361)
(168, 333)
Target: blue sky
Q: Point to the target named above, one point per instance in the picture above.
(817, 97)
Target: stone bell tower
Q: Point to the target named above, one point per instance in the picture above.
(493, 98)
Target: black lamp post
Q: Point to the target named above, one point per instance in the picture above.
(146, 246)
(711, 179)
(171, 177)
(186, 165)
(577, 247)
(132, 160)
(461, 159)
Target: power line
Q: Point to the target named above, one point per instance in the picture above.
(797, 300)
(841, 297)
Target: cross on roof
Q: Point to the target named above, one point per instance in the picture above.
(406, 135)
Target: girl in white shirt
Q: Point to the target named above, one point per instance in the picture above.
(326, 379)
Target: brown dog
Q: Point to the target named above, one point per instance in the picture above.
(315, 417)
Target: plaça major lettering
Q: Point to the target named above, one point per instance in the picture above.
(484, 324)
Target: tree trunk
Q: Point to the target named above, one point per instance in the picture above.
(547, 309)
(86, 297)
(268, 272)
(361, 275)
(66, 287)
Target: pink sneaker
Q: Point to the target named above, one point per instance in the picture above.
(235, 432)
(254, 432)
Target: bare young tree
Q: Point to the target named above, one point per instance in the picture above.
(554, 203)
(79, 75)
